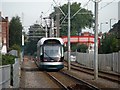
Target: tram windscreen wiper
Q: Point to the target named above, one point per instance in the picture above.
(49, 56)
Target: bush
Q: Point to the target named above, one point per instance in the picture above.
(8, 59)
(82, 48)
(16, 47)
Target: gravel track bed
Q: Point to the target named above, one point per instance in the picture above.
(62, 78)
(100, 83)
(34, 79)
(107, 74)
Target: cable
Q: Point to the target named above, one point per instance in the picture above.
(76, 12)
(81, 9)
(59, 8)
(64, 19)
(107, 4)
(48, 10)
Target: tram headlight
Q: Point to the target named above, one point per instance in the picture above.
(58, 59)
(45, 59)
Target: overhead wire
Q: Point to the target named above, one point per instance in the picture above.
(64, 19)
(48, 9)
(76, 12)
(81, 9)
(107, 4)
(59, 7)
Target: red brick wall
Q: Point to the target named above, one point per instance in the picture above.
(5, 32)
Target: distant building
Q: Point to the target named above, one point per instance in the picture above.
(4, 31)
(119, 10)
(36, 31)
(85, 38)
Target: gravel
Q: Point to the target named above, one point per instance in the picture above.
(100, 83)
(34, 79)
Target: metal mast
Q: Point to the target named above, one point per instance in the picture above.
(96, 42)
(69, 50)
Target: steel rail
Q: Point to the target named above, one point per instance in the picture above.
(58, 82)
(114, 74)
(105, 76)
(81, 81)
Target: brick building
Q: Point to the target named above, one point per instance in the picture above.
(86, 38)
(4, 31)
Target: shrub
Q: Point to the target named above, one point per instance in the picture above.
(16, 47)
(8, 59)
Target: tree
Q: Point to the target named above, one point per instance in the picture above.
(82, 48)
(31, 46)
(82, 20)
(16, 47)
(111, 43)
(35, 33)
(15, 31)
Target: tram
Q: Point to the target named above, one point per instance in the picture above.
(50, 53)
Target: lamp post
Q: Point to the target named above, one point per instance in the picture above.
(46, 26)
(111, 21)
(41, 18)
(101, 25)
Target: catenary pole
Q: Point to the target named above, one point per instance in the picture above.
(69, 50)
(96, 42)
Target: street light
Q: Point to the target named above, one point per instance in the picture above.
(46, 26)
(101, 25)
(111, 21)
(41, 18)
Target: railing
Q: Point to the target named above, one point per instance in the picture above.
(5, 75)
(106, 62)
(16, 74)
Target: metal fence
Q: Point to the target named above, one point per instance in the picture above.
(16, 70)
(106, 62)
(5, 75)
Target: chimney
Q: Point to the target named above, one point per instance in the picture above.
(6, 18)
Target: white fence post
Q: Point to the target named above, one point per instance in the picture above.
(115, 62)
(16, 74)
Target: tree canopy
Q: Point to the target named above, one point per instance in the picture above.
(82, 48)
(15, 31)
(82, 20)
(110, 41)
(31, 43)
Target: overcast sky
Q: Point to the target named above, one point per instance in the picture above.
(30, 10)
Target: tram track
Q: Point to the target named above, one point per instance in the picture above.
(106, 75)
(69, 82)
(57, 81)
(59, 78)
